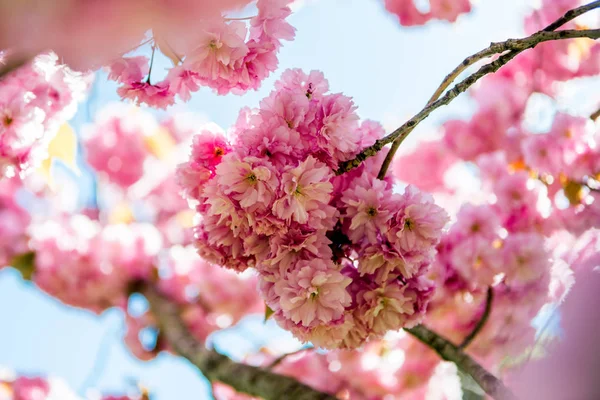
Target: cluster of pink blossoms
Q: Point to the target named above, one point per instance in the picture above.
(39, 388)
(409, 14)
(135, 157)
(116, 143)
(225, 55)
(479, 252)
(341, 258)
(139, 236)
(87, 265)
(34, 101)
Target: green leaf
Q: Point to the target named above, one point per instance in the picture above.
(268, 313)
(24, 263)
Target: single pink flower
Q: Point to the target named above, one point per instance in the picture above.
(419, 225)
(306, 192)
(525, 258)
(249, 180)
(369, 206)
(129, 69)
(387, 307)
(314, 293)
(182, 82)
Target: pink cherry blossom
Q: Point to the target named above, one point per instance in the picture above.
(419, 224)
(306, 192)
(298, 244)
(129, 69)
(387, 307)
(432, 156)
(525, 258)
(35, 100)
(250, 180)
(477, 260)
(368, 208)
(183, 82)
(115, 144)
(314, 293)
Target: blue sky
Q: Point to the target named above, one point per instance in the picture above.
(390, 72)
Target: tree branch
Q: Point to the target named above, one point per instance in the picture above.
(481, 323)
(513, 47)
(595, 115)
(244, 378)
(449, 352)
(571, 15)
(494, 48)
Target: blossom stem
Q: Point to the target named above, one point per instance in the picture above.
(511, 48)
(244, 378)
(481, 323)
(449, 352)
(151, 63)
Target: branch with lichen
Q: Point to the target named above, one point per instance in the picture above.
(449, 352)
(244, 378)
(508, 49)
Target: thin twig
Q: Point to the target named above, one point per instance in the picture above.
(390, 156)
(282, 357)
(494, 48)
(244, 378)
(449, 352)
(516, 45)
(481, 323)
(571, 15)
(595, 115)
(151, 63)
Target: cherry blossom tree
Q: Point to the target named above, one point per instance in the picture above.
(366, 252)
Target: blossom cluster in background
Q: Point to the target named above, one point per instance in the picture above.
(138, 233)
(35, 100)
(225, 55)
(411, 12)
(41, 388)
(206, 48)
(536, 190)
